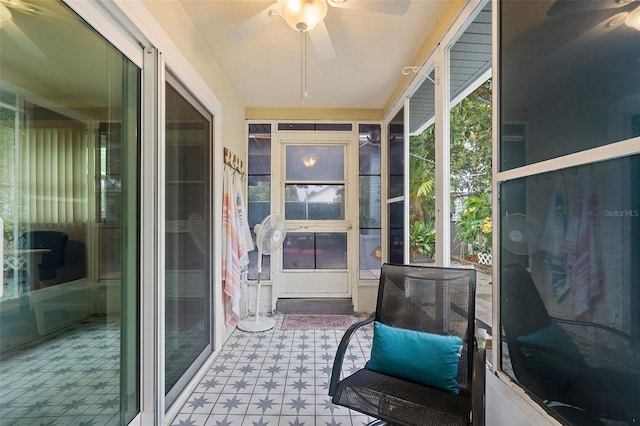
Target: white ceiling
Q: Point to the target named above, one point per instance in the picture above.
(265, 67)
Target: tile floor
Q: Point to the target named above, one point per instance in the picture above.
(72, 378)
(278, 377)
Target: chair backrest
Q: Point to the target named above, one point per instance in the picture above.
(434, 300)
(55, 241)
(522, 308)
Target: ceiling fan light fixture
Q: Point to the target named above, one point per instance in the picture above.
(302, 15)
(633, 19)
(5, 15)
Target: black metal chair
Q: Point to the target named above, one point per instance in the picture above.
(585, 372)
(439, 301)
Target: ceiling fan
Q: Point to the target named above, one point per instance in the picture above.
(307, 16)
(13, 30)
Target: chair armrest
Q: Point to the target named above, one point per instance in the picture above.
(478, 393)
(603, 346)
(605, 328)
(342, 349)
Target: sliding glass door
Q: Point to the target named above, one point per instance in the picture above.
(188, 319)
(69, 144)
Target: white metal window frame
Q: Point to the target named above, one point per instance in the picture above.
(130, 27)
(438, 60)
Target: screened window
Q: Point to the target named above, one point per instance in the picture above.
(570, 285)
(259, 189)
(546, 48)
(569, 235)
(370, 201)
(395, 208)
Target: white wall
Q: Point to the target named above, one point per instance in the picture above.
(508, 406)
(188, 58)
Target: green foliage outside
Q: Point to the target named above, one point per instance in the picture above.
(474, 228)
(470, 165)
(7, 167)
(422, 238)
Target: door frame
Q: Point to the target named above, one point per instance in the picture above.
(348, 139)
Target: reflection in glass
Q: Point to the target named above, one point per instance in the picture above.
(188, 247)
(69, 312)
(314, 202)
(313, 162)
(326, 250)
(545, 82)
(570, 251)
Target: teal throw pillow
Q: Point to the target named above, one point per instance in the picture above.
(555, 358)
(425, 358)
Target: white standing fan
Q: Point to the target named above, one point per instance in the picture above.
(522, 235)
(270, 235)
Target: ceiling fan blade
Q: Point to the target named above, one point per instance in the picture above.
(322, 42)
(22, 40)
(565, 7)
(392, 7)
(255, 23)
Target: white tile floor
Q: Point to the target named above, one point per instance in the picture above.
(277, 377)
(72, 378)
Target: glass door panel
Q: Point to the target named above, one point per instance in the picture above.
(188, 331)
(314, 202)
(69, 310)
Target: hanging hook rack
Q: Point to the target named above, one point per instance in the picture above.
(416, 70)
(233, 161)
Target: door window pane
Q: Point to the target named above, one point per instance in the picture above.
(188, 240)
(314, 163)
(69, 144)
(326, 250)
(314, 202)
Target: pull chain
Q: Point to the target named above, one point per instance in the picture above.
(303, 67)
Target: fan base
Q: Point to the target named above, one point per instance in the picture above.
(252, 325)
